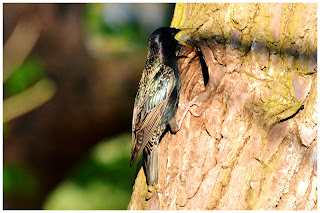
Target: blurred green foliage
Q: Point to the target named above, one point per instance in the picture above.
(5, 130)
(116, 29)
(103, 180)
(110, 40)
(18, 179)
(94, 23)
(30, 72)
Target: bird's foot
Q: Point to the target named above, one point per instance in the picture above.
(152, 190)
(188, 108)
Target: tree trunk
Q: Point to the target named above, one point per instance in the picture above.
(253, 68)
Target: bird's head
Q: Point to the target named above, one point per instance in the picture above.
(162, 41)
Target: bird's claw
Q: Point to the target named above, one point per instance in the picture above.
(188, 108)
(152, 190)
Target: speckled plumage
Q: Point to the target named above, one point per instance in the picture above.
(157, 99)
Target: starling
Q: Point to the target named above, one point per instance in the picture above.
(156, 100)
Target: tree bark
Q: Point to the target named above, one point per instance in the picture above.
(253, 68)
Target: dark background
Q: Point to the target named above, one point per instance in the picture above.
(73, 151)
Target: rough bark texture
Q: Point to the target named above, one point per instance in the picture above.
(253, 67)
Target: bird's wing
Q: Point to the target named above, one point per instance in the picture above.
(148, 111)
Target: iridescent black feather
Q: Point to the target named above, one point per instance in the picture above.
(157, 99)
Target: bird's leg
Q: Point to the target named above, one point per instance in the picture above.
(188, 108)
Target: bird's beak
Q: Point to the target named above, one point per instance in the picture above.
(184, 29)
(178, 37)
(185, 44)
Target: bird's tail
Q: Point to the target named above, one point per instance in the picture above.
(151, 165)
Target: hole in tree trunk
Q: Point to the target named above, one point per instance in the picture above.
(204, 68)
